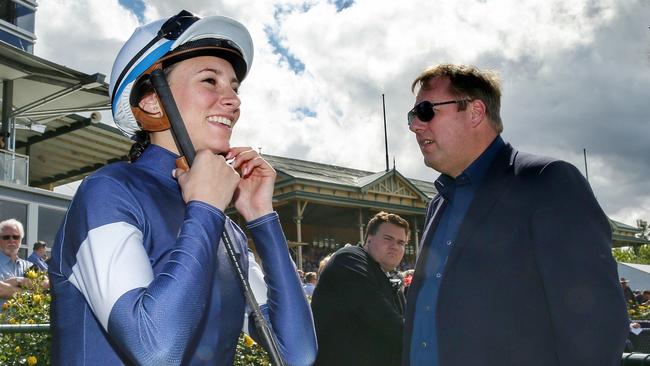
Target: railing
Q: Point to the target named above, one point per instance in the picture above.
(628, 359)
(24, 328)
(635, 359)
(14, 168)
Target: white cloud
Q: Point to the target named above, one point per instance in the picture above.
(575, 76)
(84, 35)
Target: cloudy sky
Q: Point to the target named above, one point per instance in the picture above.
(576, 75)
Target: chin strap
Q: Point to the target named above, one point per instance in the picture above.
(161, 121)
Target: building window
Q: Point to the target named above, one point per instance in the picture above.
(17, 14)
(17, 20)
(49, 220)
(25, 18)
(16, 41)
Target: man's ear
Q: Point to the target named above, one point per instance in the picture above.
(150, 105)
(368, 240)
(478, 112)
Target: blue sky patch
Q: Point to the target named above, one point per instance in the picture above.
(274, 40)
(136, 6)
(342, 4)
(304, 112)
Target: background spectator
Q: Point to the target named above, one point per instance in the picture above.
(310, 283)
(12, 268)
(39, 255)
(630, 298)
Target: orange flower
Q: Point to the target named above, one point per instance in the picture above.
(248, 341)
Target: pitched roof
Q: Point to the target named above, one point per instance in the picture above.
(333, 174)
(623, 227)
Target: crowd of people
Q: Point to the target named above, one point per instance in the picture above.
(634, 298)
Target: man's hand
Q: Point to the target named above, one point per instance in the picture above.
(10, 286)
(255, 190)
(210, 180)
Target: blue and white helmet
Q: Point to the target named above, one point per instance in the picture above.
(171, 40)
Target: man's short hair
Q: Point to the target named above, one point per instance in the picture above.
(310, 276)
(468, 82)
(323, 263)
(385, 217)
(13, 223)
(38, 245)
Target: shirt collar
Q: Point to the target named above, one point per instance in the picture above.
(473, 174)
(476, 171)
(161, 161)
(5, 259)
(158, 158)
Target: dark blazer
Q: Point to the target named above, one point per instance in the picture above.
(357, 313)
(531, 279)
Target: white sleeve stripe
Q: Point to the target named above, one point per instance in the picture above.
(256, 281)
(110, 262)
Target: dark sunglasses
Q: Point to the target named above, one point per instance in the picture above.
(176, 25)
(424, 110)
(8, 237)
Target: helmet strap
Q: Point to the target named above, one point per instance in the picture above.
(151, 122)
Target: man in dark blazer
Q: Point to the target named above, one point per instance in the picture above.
(515, 266)
(358, 302)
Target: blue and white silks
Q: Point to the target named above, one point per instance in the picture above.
(139, 277)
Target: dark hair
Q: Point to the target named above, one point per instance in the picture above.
(323, 263)
(385, 217)
(468, 82)
(142, 140)
(310, 276)
(38, 245)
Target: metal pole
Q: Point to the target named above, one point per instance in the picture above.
(299, 233)
(7, 101)
(361, 226)
(383, 103)
(584, 151)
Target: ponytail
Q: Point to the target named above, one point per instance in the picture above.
(142, 140)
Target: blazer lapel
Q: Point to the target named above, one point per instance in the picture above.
(433, 217)
(432, 213)
(493, 186)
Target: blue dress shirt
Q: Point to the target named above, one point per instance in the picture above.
(457, 196)
(38, 261)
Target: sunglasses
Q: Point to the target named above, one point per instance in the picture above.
(424, 110)
(8, 237)
(176, 25)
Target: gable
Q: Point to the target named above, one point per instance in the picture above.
(393, 185)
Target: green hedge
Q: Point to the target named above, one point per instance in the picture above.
(32, 306)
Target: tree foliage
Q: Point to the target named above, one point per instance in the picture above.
(638, 255)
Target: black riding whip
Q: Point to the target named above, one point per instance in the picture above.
(186, 149)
